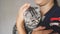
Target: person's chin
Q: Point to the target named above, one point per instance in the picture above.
(40, 4)
(37, 3)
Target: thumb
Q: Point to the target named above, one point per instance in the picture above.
(39, 28)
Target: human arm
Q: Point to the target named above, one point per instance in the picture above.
(20, 20)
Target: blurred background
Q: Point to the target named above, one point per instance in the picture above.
(8, 13)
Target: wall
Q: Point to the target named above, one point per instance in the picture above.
(8, 12)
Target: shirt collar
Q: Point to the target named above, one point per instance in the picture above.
(51, 11)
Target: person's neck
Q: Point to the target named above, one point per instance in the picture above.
(46, 8)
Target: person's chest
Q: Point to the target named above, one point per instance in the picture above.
(51, 20)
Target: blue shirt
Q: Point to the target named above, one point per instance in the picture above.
(54, 14)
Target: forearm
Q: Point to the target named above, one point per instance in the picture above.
(20, 27)
(21, 30)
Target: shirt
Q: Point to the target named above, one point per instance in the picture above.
(52, 19)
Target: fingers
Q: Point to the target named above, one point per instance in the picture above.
(39, 28)
(47, 31)
(42, 32)
(21, 11)
(37, 32)
(25, 7)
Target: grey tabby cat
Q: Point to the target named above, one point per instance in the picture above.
(31, 18)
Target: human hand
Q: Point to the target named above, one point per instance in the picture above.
(40, 30)
(19, 21)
